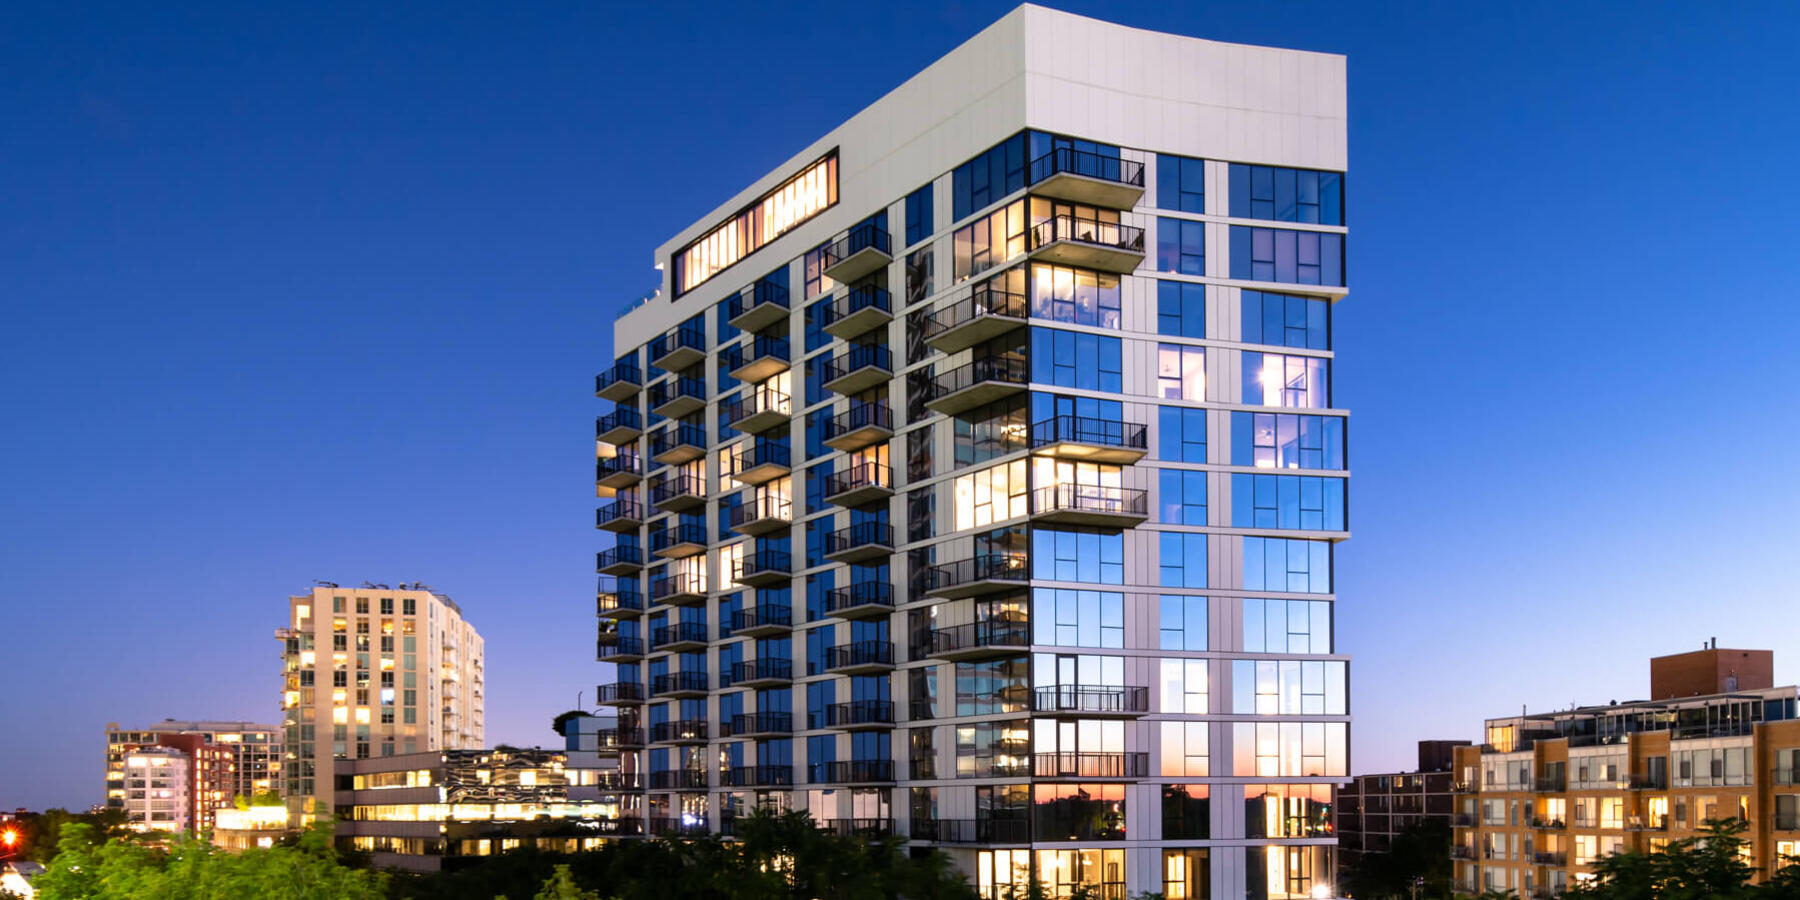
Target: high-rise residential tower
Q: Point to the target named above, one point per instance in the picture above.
(372, 671)
(975, 473)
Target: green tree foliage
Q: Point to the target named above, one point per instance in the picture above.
(1708, 866)
(184, 868)
(1418, 857)
(42, 833)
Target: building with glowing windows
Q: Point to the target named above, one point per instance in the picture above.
(225, 761)
(372, 671)
(974, 475)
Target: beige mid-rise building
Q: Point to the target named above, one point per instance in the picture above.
(374, 671)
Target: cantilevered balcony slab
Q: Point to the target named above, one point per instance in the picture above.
(858, 369)
(1089, 439)
(981, 574)
(977, 384)
(861, 252)
(1092, 179)
(1086, 243)
(861, 485)
(1090, 505)
(862, 425)
(988, 312)
(858, 311)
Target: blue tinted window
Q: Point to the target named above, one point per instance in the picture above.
(1180, 246)
(1287, 195)
(1181, 434)
(1182, 559)
(1069, 359)
(815, 435)
(817, 640)
(1181, 309)
(1180, 183)
(1283, 564)
(816, 335)
(817, 588)
(1286, 320)
(988, 177)
(815, 380)
(1287, 626)
(1293, 257)
(1280, 379)
(1077, 556)
(726, 507)
(815, 541)
(726, 432)
(816, 477)
(1287, 441)
(1048, 406)
(918, 215)
(721, 315)
(1181, 623)
(1182, 497)
(1287, 502)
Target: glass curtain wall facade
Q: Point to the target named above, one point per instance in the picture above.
(1001, 517)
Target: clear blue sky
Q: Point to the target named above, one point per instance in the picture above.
(295, 293)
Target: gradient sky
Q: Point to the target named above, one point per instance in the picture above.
(295, 293)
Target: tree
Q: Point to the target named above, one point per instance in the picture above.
(1420, 851)
(185, 868)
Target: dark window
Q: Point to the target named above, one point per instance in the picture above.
(1180, 246)
(1180, 183)
(918, 454)
(1292, 257)
(1286, 195)
(921, 514)
(1185, 812)
(919, 221)
(987, 178)
(1286, 320)
(1181, 309)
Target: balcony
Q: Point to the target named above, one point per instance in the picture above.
(980, 574)
(1091, 505)
(681, 637)
(621, 471)
(687, 589)
(762, 515)
(1090, 765)
(677, 398)
(859, 253)
(679, 349)
(685, 826)
(862, 542)
(972, 831)
(862, 600)
(757, 723)
(854, 771)
(621, 781)
(1092, 701)
(858, 369)
(1086, 243)
(621, 515)
(625, 650)
(1551, 785)
(620, 384)
(759, 462)
(1468, 821)
(858, 311)
(861, 658)
(861, 425)
(612, 603)
(864, 828)
(679, 684)
(621, 426)
(987, 313)
(762, 358)
(978, 383)
(685, 731)
(622, 693)
(860, 485)
(758, 306)
(620, 560)
(758, 776)
(1549, 858)
(770, 672)
(678, 541)
(1079, 176)
(760, 410)
(678, 493)
(612, 740)
(762, 621)
(764, 568)
(1462, 851)
(678, 444)
(1089, 440)
(978, 640)
(678, 781)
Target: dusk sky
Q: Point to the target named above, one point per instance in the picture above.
(297, 292)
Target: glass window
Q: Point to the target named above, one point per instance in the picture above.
(1181, 309)
(1181, 247)
(1181, 622)
(1180, 372)
(1287, 626)
(1293, 257)
(1182, 497)
(1280, 749)
(1184, 687)
(1180, 183)
(1077, 296)
(817, 283)
(1287, 501)
(1183, 559)
(1287, 441)
(1084, 556)
(1076, 618)
(988, 241)
(1285, 195)
(1187, 874)
(918, 215)
(1078, 360)
(1285, 320)
(1288, 687)
(1081, 812)
(987, 178)
(991, 495)
(1186, 812)
(1275, 379)
(1283, 564)
(1181, 434)
(1183, 747)
(921, 271)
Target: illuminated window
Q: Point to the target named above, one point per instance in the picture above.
(1184, 687)
(1292, 873)
(1077, 296)
(1289, 687)
(991, 495)
(988, 241)
(1100, 872)
(1180, 372)
(1002, 874)
(1281, 749)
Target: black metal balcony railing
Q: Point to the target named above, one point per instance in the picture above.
(684, 386)
(859, 415)
(862, 534)
(681, 730)
(624, 646)
(859, 712)
(858, 477)
(769, 507)
(1552, 785)
(618, 738)
(760, 347)
(768, 722)
(1091, 498)
(674, 535)
(623, 554)
(614, 596)
(762, 615)
(1095, 700)
(977, 636)
(623, 417)
(986, 299)
(863, 237)
(973, 831)
(684, 826)
(619, 781)
(989, 369)
(623, 464)
(762, 670)
(671, 486)
(669, 586)
(855, 827)
(1082, 229)
(759, 776)
(679, 633)
(676, 781)
(1085, 430)
(853, 771)
(1087, 164)
(678, 681)
(686, 434)
(756, 295)
(982, 567)
(624, 508)
(1549, 858)
(629, 691)
(684, 337)
(861, 653)
(758, 401)
(858, 357)
(859, 595)
(620, 373)
(1090, 765)
(760, 453)
(857, 300)
(763, 562)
